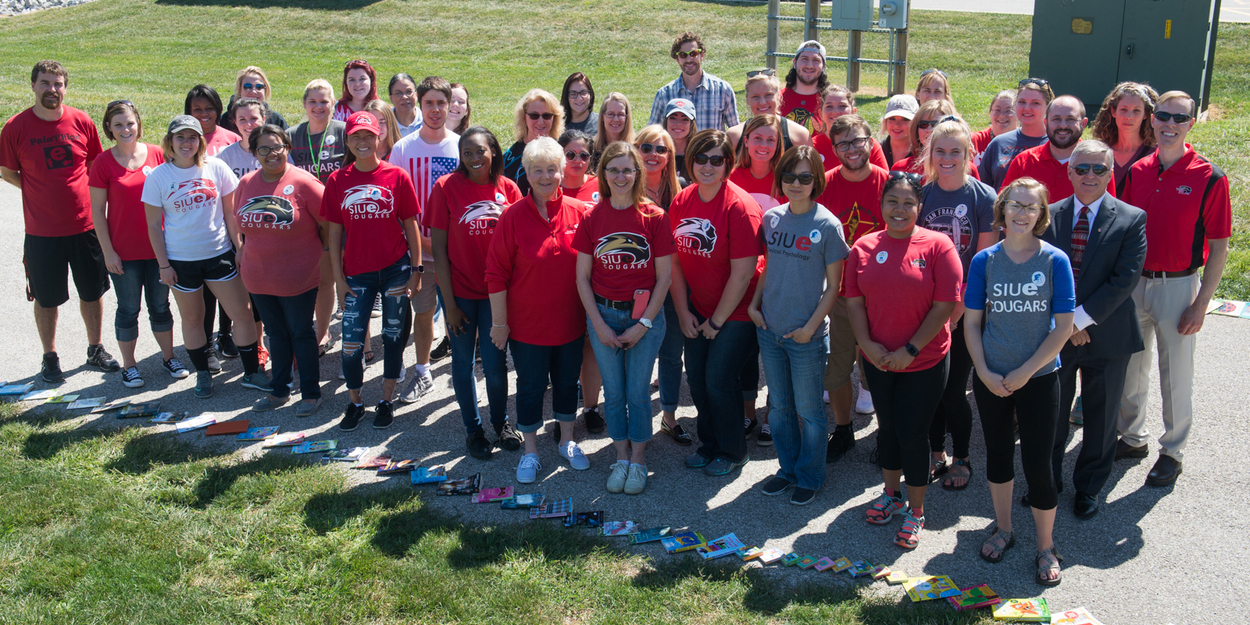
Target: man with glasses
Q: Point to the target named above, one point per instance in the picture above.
(853, 194)
(1186, 198)
(46, 152)
(1105, 239)
(1048, 163)
(715, 105)
(800, 98)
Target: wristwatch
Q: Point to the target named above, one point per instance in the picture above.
(646, 323)
(419, 268)
(911, 349)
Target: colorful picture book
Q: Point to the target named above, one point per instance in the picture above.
(791, 559)
(841, 564)
(420, 475)
(750, 553)
(931, 587)
(1229, 308)
(12, 390)
(195, 423)
(223, 428)
(258, 434)
(1079, 616)
(649, 535)
(351, 454)
(974, 597)
(523, 502)
(584, 519)
(285, 440)
(61, 399)
(860, 568)
(823, 564)
(463, 486)
(143, 409)
(806, 562)
(1027, 610)
(771, 556)
(619, 528)
(42, 395)
(553, 510)
(682, 541)
(493, 495)
(373, 463)
(880, 571)
(896, 577)
(314, 447)
(83, 403)
(402, 466)
(113, 405)
(170, 417)
(723, 546)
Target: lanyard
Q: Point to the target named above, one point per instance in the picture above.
(316, 155)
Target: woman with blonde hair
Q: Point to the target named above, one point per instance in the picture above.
(538, 114)
(616, 123)
(252, 82)
(933, 85)
(764, 98)
(921, 127)
(1123, 123)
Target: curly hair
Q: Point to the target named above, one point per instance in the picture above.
(1105, 128)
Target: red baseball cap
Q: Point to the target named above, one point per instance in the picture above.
(363, 120)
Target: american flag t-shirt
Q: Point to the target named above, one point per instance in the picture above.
(425, 164)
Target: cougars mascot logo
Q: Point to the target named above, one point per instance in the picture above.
(369, 200)
(623, 248)
(268, 209)
(193, 192)
(485, 214)
(695, 234)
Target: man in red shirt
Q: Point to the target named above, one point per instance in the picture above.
(800, 99)
(1048, 162)
(1188, 223)
(853, 194)
(46, 152)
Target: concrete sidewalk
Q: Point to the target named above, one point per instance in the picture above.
(1230, 10)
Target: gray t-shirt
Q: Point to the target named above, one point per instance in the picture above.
(963, 215)
(799, 249)
(240, 160)
(320, 154)
(1000, 152)
(589, 126)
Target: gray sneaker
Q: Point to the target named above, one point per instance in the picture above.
(637, 480)
(259, 381)
(203, 384)
(420, 385)
(616, 479)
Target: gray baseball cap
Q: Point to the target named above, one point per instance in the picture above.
(811, 44)
(182, 122)
(901, 105)
(679, 105)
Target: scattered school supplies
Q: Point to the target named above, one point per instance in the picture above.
(522, 502)
(196, 423)
(285, 440)
(750, 553)
(493, 495)
(1028, 610)
(974, 597)
(258, 434)
(791, 559)
(619, 528)
(683, 541)
(89, 402)
(806, 562)
(17, 389)
(1079, 616)
(771, 556)
(553, 510)
(169, 417)
(313, 447)
(464, 486)
(345, 455)
(584, 519)
(401, 466)
(373, 463)
(841, 564)
(860, 568)
(880, 571)
(42, 395)
(144, 409)
(720, 547)
(223, 428)
(649, 535)
(420, 475)
(113, 405)
(896, 577)
(931, 587)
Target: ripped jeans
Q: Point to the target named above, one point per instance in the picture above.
(392, 282)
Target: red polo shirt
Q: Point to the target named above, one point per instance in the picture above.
(1186, 205)
(1039, 164)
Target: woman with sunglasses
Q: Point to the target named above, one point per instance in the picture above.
(962, 208)
(578, 101)
(459, 111)
(806, 253)
(1021, 302)
(538, 114)
(580, 185)
(531, 273)
(616, 123)
(252, 83)
(679, 123)
(463, 211)
(116, 183)
(836, 101)
(279, 236)
(764, 98)
(1002, 120)
(624, 251)
(933, 85)
(1123, 123)
(901, 285)
(921, 127)
(403, 92)
(716, 228)
(1033, 95)
(360, 87)
(203, 103)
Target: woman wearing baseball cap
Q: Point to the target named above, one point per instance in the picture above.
(680, 124)
(896, 127)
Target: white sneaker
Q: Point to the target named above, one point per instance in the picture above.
(616, 479)
(527, 470)
(637, 480)
(863, 403)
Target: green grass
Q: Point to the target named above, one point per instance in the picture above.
(113, 526)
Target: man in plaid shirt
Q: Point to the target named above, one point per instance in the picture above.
(714, 102)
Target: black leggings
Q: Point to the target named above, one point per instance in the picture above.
(1036, 409)
(905, 403)
(954, 413)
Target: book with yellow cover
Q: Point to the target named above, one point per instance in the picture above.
(1027, 610)
(974, 597)
(930, 587)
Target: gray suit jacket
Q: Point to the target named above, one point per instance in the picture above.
(1110, 269)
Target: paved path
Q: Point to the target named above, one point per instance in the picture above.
(1151, 556)
(1230, 10)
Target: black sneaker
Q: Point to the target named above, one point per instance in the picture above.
(594, 421)
(478, 446)
(214, 365)
(765, 437)
(748, 426)
(383, 415)
(840, 441)
(100, 359)
(776, 486)
(351, 417)
(226, 346)
(802, 496)
(50, 371)
(131, 378)
(442, 350)
(507, 437)
(176, 370)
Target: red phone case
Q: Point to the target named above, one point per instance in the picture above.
(641, 298)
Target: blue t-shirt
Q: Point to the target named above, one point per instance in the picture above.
(1020, 301)
(1000, 152)
(963, 214)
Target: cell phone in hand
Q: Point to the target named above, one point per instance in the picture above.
(641, 298)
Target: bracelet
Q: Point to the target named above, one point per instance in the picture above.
(165, 267)
(496, 325)
(713, 324)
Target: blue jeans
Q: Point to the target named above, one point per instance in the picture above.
(536, 365)
(392, 282)
(670, 358)
(796, 410)
(140, 279)
(626, 375)
(292, 338)
(713, 370)
(494, 366)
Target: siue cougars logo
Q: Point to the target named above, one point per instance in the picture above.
(267, 211)
(191, 192)
(623, 247)
(481, 215)
(369, 201)
(698, 234)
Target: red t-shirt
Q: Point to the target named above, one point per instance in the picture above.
(127, 221)
(370, 206)
(280, 223)
(534, 261)
(469, 213)
(1185, 204)
(760, 189)
(801, 109)
(856, 204)
(588, 192)
(899, 280)
(52, 158)
(824, 146)
(980, 141)
(623, 244)
(220, 139)
(710, 234)
(1039, 164)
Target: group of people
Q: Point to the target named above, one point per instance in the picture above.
(589, 251)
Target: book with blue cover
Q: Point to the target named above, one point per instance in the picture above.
(523, 502)
(312, 447)
(723, 546)
(258, 434)
(682, 541)
(420, 475)
(649, 535)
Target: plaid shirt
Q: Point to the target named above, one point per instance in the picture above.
(715, 105)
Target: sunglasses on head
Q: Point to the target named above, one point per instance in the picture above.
(931, 71)
(542, 116)
(704, 159)
(577, 156)
(915, 179)
(647, 148)
(116, 102)
(804, 178)
(1099, 170)
(761, 72)
(686, 55)
(1041, 82)
(1179, 118)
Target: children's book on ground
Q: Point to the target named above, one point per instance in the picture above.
(420, 475)
(113, 405)
(258, 434)
(62, 399)
(285, 440)
(974, 597)
(553, 510)
(143, 409)
(17, 389)
(223, 428)
(1027, 610)
(930, 587)
(373, 463)
(195, 423)
(401, 466)
(523, 502)
(493, 495)
(41, 395)
(723, 546)
(584, 519)
(1079, 616)
(463, 486)
(682, 541)
(346, 455)
(170, 417)
(807, 562)
(750, 553)
(771, 556)
(860, 568)
(880, 571)
(823, 564)
(619, 528)
(649, 535)
(86, 402)
(896, 577)
(314, 447)
(841, 564)
(791, 559)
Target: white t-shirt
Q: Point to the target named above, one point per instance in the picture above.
(240, 160)
(191, 199)
(425, 164)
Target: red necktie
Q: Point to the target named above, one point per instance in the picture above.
(1080, 235)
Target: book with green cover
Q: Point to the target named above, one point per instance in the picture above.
(880, 571)
(1028, 610)
(649, 535)
(806, 562)
(791, 559)
(930, 587)
(860, 568)
(974, 597)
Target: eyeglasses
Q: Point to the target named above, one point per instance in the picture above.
(1099, 170)
(931, 71)
(804, 178)
(915, 179)
(266, 150)
(403, 94)
(999, 111)
(761, 72)
(616, 115)
(258, 85)
(926, 124)
(612, 171)
(647, 148)
(704, 159)
(857, 142)
(686, 55)
(116, 102)
(1016, 207)
(542, 116)
(1179, 118)
(1041, 82)
(577, 156)
(579, 95)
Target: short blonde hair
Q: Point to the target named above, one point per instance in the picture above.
(318, 84)
(553, 106)
(1178, 95)
(252, 69)
(542, 151)
(769, 79)
(1043, 218)
(948, 128)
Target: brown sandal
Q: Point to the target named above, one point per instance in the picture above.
(958, 469)
(1048, 560)
(999, 542)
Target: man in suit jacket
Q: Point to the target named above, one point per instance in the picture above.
(1106, 242)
